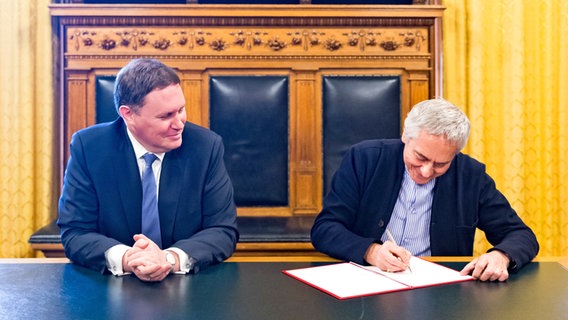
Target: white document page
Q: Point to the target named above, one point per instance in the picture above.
(424, 273)
(345, 280)
(349, 280)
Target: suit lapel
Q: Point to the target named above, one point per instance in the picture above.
(127, 175)
(170, 189)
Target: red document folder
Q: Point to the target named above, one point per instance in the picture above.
(349, 280)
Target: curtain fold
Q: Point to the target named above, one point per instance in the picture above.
(26, 121)
(506, 65)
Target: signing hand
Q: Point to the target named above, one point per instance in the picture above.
(388, 256)
(490, 266)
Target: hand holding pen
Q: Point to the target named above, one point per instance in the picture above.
(388, 256)
(407, 263)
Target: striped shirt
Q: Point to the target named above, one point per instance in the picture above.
(410, 220)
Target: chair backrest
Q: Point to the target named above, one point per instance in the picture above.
(357, 108)
(251, 113)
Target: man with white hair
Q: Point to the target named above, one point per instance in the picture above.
(427, 194)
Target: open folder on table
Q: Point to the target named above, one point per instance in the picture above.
(349, 280)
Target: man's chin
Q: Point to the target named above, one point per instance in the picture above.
(176, 144)
(420, 180)
(172, 144)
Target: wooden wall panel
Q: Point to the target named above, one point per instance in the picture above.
(302, 42)
(305, 160)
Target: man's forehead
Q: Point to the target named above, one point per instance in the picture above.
(433, 147)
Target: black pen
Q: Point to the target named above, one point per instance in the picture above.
(391, 238)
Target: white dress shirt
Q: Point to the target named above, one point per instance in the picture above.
(114, 255)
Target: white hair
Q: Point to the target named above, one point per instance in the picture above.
(438, 117)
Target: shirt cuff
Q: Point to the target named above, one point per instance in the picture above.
(113, 257)
(184, 262)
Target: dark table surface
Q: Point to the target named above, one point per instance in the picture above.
(247, 290)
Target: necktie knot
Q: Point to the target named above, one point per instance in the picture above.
(149, 158)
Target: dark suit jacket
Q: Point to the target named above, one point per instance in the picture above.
(101, 200)
(364, 190)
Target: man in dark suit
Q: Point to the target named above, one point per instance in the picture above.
(103, 212)
(427, 194)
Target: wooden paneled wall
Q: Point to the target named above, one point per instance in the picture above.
(301, 42)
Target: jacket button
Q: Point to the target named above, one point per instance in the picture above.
(381, 223)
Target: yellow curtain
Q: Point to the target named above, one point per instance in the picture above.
(26, 130)
(506, 63)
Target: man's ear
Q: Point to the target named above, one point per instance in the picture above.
(403, 138)
(125, 112)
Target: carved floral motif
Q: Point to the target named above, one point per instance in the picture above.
(107, 44)
(365, 40)
(332, 44)
(218, 44)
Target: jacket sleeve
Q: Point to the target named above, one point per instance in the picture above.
(503, 228)
(79, 213)
(333, 230)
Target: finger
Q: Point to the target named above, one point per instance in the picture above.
(162, 272)
(146, 269)
(405, 257)
(139, 236)
(504, 276)
(141, 258)
(401, 254)
(494, 276)
(478, 271)
(467, 269)
(144, 240)
(156, 276)
(486, 275)
(141, 276)
(147, 278)
(387, 257)
(395, 264)
(497, 275)
(141, 242)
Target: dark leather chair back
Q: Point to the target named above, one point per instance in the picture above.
(356, 109)
(251, 114)
(104, 99)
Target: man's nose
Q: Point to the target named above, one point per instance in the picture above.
(427, 170)
(178, 122)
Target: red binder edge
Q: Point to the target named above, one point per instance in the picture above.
(339, 297)
(408, 287)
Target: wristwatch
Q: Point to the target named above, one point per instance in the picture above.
(171, 259)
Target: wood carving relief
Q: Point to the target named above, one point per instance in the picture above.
(220, 41)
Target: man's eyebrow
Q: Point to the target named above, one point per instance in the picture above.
(428, 159)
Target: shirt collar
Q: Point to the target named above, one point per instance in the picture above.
(139, 150)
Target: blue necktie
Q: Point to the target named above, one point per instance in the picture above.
(150, 217)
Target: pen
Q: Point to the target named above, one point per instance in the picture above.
(391, 238)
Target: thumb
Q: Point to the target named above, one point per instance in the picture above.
(141, 241)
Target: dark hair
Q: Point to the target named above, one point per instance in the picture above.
(138, 78)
